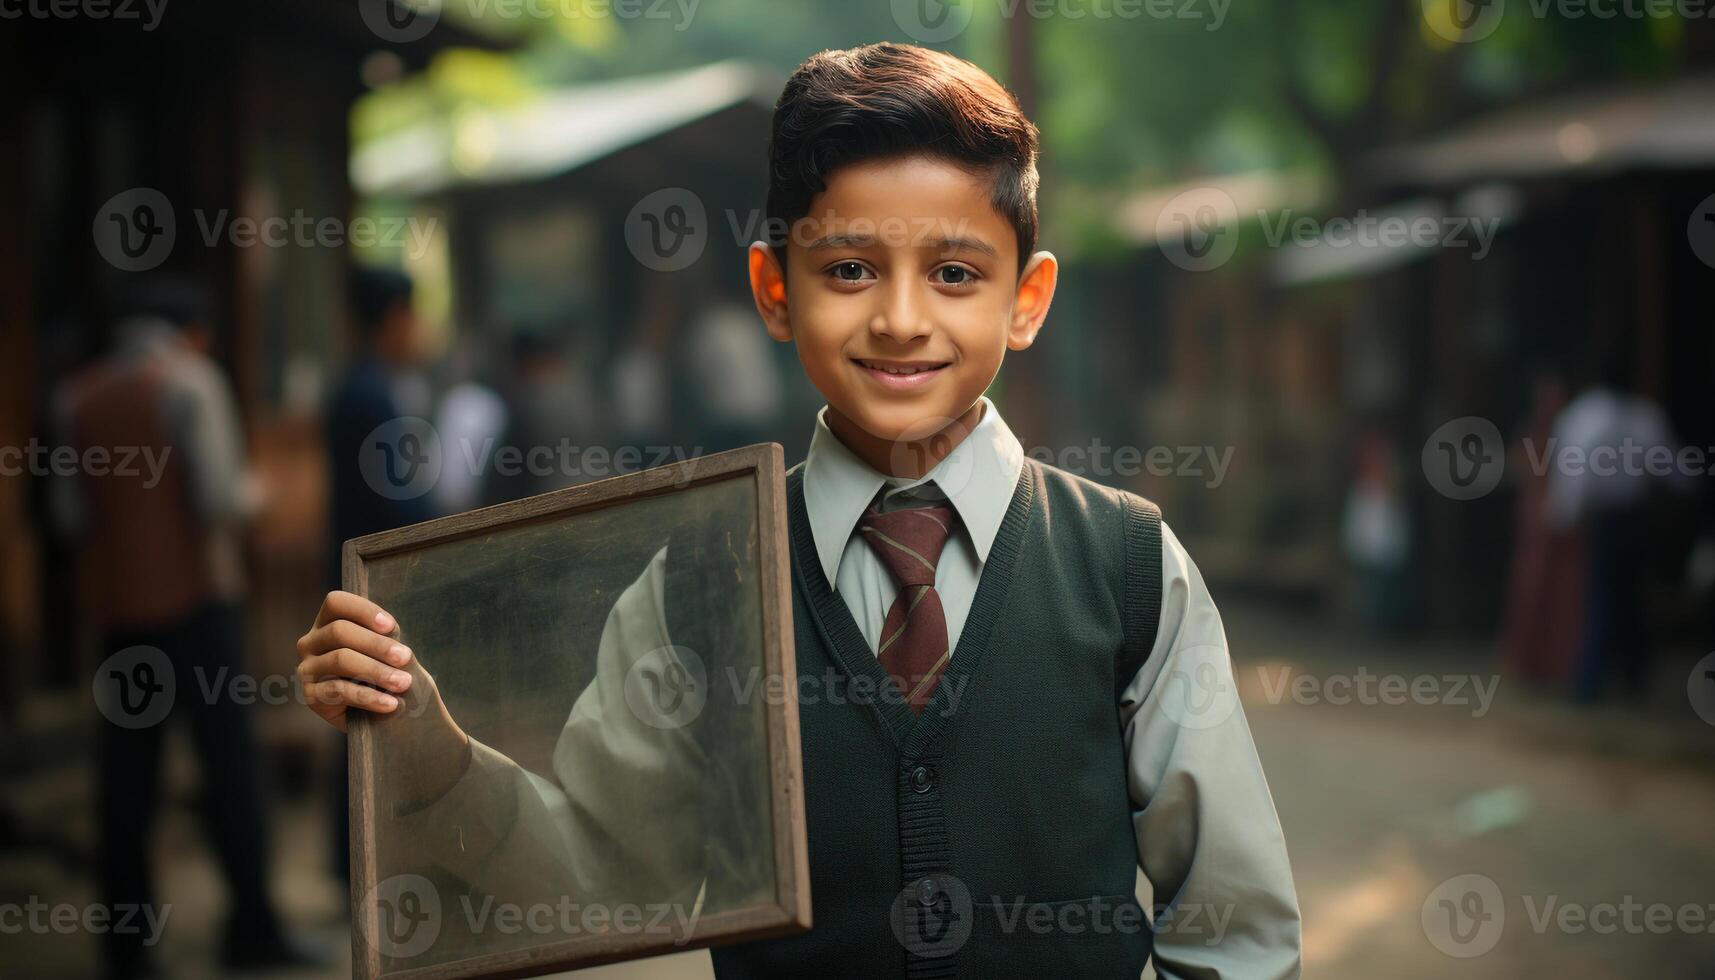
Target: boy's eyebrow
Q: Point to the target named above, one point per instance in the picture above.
(953, 244)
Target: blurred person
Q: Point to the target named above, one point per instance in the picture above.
(161, 565)
(1539, 637)
(379, 386)
(549, 409)
(471, 419)
(1597, 482)
(735, 382)
(1376, 534)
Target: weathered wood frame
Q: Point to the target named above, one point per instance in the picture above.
(790, 913)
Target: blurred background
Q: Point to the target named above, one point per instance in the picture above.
(1399, 310)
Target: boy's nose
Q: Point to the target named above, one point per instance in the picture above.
(902, 320)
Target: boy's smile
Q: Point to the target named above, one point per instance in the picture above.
(902, 293)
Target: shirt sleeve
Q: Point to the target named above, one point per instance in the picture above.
(203, 419)
(617, 820)
(1208, 837)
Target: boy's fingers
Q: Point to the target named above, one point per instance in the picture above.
(350, 694)
(345, 633)
(346, 605)
(348, 663)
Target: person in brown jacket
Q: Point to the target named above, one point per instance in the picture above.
(160, 574)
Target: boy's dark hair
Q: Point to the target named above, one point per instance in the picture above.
(375, 290)
(844, 107)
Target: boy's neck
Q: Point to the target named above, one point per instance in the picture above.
(907, 459)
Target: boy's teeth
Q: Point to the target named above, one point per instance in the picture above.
(897, 370)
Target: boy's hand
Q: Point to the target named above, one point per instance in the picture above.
(346, 656)
(349, 659)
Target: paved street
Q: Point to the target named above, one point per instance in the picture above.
(1594, 828)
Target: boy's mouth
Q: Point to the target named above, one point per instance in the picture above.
(901, 374)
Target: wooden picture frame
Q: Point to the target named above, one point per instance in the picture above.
(738, 475)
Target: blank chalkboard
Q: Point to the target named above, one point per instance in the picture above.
(617, 660)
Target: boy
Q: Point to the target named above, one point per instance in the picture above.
(1036, 631)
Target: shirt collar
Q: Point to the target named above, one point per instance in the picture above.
(978, 478)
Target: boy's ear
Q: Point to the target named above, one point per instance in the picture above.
(1030, 306)
(768, 288)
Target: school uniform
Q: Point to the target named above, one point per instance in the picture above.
(1061, 712)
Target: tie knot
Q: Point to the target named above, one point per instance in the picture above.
(908, 542)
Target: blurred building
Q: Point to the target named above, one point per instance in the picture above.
(139, 144)
(1292, 350)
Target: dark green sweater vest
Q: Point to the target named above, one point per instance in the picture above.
(990, 837)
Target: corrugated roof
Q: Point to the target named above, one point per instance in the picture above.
(1669, 126)
(556, 133)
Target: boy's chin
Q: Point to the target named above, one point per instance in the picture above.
(898, 424)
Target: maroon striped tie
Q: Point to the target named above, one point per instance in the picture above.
(913, 644)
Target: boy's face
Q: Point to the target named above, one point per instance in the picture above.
(902, 293)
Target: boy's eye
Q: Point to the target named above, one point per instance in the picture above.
(954, 275)
(850, 271)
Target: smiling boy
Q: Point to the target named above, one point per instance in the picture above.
(1060, 709)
